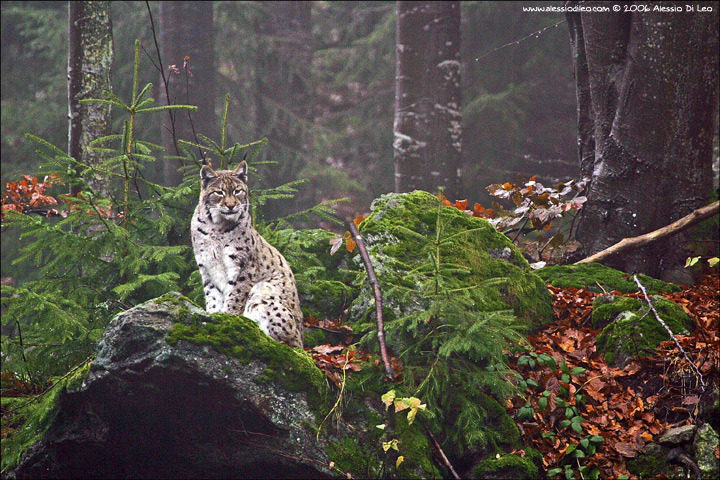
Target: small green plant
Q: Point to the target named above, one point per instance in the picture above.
(413, 405)
(563, 402)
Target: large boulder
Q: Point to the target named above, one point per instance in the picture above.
(405, 233)
(177, 393)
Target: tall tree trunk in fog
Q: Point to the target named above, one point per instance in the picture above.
(284, 108)
(647, 85)
(187, 30)
(90, 55)
(428, 122)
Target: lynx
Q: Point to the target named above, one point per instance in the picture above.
(241, 272)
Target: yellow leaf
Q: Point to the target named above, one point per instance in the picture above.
(391, 444)
(411, 415)
(399, 461)
(388, 398)
(381, 427)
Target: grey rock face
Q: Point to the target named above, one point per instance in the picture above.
(678, 435)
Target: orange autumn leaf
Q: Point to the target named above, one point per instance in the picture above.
(461, 204)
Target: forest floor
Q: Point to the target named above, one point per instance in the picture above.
(627, 407)
(579, 412)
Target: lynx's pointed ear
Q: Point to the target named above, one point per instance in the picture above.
(207, 174)
(241, 171)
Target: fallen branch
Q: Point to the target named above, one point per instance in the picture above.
(692, 364)
(675, 227)
(378, 298)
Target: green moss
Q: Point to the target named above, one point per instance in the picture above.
(466, 241)
(502, 423)
(241, 338)
(637, 332)
(589, 275)
(314, 337)
(352, 457)
(607, 307)
(652, 464)
(507, 466)
(414, 446)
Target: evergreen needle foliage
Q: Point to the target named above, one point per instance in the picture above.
(451, 350)
(108, 251)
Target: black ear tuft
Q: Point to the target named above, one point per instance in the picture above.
(241, 171)
(207, 174)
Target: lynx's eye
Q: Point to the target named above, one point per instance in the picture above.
(219, 193)
(237, 191)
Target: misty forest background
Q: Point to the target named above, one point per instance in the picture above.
(336, 127)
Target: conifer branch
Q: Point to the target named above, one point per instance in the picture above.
(378, 297)
(657, 316)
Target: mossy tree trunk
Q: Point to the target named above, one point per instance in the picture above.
(90, 55)
(428, 122)
(186, 42)
(647, 86)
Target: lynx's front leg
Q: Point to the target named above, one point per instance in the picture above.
(214, 298)
(237, 287)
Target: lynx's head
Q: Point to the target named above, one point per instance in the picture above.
(224, 194)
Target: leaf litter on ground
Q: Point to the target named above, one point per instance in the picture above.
(629, 406)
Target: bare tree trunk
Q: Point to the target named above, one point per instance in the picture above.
(649, 81)
(284, 91)
(187, 30)
(428, 121)
(90, 55)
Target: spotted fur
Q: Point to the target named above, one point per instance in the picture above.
(241, 272)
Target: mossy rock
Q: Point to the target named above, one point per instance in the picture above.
(607, 307)
(632, 330)
(401, 234)
(510, 466)
(705, 445)
(598, 278)
(241, 338)
(173, 373)
(654, 463)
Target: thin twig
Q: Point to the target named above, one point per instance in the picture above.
(188, 74)
(166, 81)
(692, 364)
(441, 452)
(378, 297)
